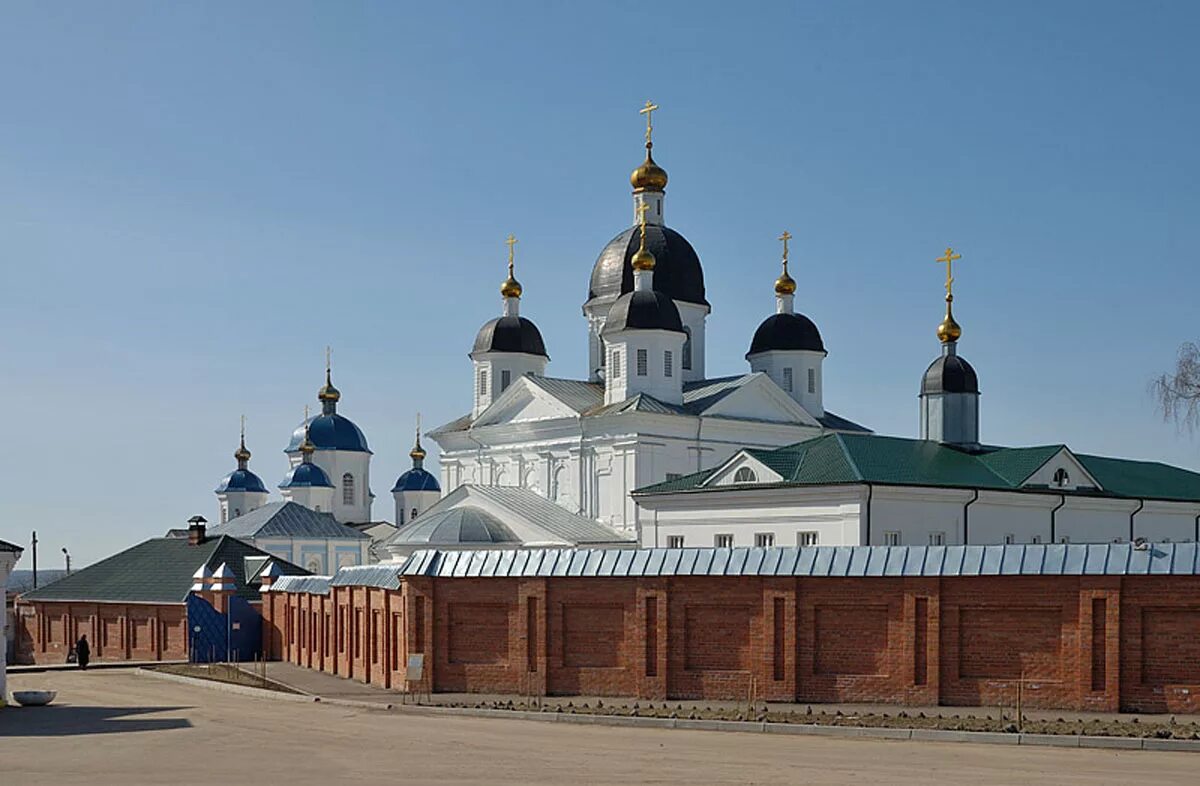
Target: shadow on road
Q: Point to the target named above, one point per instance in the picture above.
(69, 721)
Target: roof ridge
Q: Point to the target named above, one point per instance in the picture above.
(839, 438)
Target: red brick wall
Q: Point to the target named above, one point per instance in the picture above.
(1103, 642)
(46, 632)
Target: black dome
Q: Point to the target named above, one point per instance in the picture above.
(510, 334)
(648, 310)
(677, 270)
(950, 374)
(786, 331)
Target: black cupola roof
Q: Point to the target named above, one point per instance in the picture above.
(786, 332)
(950, 374)
(677, 270)
(644, 310)
(510, 334)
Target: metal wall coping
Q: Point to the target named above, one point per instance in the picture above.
(384, 575)
(1033, 559)
(308, 585)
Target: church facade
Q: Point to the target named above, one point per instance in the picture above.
(647, 411)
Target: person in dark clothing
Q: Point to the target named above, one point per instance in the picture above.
(82, 652)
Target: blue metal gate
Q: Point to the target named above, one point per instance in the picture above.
(214, 637)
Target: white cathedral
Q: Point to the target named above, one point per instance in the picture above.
(751, 459)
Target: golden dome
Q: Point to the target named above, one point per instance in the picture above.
(417, 453)
(949, 330)
(785, 284)
(649, 176)
(241, 454)
(328, 392)
(642, 259)
(511, 287)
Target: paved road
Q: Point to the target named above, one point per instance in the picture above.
(130, 730)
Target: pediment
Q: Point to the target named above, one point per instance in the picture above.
(743, 468)
(759, 398)
(1062, 471)
(523, 402)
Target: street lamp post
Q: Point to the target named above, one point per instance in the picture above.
(67, 555)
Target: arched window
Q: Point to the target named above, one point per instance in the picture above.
(347, 489)
(686, 360)
(414, 514)
(1061, 478)
(314, 565)
(744, 475)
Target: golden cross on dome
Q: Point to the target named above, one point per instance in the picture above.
(648, 111)
(243, 429)
(328, 358)
(641, 211)
(785, 237)
(949, 258)
(510, 241)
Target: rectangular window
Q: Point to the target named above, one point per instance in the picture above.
(937, 538)
(723, 541)
(616, 364)
(483, 382)
(674, 541)
(806, 539)
(1036, 539)
(668, 364)
(1010, 539)
(787, 380)
(764, 539)
(505, 379)
(641, 362)
(812, 380)
(891, 538)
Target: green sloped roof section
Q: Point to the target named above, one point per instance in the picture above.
(783, 462)
(894, 460)
(1142, 479)
(1015, 465)
(684, 483)
(158, 570)
(824, 460)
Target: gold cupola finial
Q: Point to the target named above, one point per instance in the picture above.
(649, 176)
(418, 452)
(242, 454)
(328, 392)
(511, 287)
(642, 258)
(307, 447)
(785, 284)
(949, 331)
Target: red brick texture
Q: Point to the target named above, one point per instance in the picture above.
(46, 632)
(1101, 643)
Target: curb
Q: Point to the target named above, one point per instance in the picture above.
(757, 727)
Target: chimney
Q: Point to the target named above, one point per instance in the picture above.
(196, 527)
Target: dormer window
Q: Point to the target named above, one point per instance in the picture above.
(1061, 478)
(745, 475)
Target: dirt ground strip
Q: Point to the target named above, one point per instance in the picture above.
(116, 727)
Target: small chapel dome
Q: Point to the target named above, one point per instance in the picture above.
(417, 479)
(510, 287)
(328, 392)
(785, 284)
(643, 310)
(305, 475)
(950, 373)
(510, 334)
(241, 480)
(786, 332)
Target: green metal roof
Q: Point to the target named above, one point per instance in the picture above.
(835, 459)
(158, 570)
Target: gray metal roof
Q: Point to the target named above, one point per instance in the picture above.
(385, 575)
(6, 546)
(549, 516)
(307, 585)
(286, 520)
(464, 524)
(1111, 559)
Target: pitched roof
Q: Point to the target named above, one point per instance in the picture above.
(549, 516)
(834, 459)
(6, 546)
(158, 570)
(286, 520)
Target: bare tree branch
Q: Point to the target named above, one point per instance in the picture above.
(1178, 392)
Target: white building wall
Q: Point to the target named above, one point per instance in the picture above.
(1083, 520)
(774, 363)
(496, 371)
(336, 464)
(655, 382)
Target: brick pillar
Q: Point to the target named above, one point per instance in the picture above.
(418, 595)
(922, 639)
(1099, 643)
(776, 670)
(532, 635)
(649, 636)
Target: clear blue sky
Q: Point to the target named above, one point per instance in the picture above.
(196, 198)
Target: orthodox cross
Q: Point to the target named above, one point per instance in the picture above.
(328, 359)
(510, 241)
(648, 111)
(949, 258)
(243, 430)
(641, 211)
(785, 237)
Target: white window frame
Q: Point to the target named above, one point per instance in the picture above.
(807, 538)
(723, 540)
(643, 362)
(668, 364)
(675, 541)
(891, 538)
(937, 538)
(505, 379)
(483, 382)
(812, 380)
(615, 364)
(764, 540)
(788, 383)
(745, 475)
